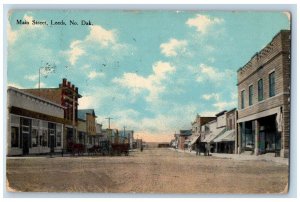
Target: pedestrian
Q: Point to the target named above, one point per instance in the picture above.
(142, 148)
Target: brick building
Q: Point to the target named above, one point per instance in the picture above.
(66, 95)
(264, 99)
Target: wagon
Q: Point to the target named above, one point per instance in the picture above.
(76, 148)
(119, 149)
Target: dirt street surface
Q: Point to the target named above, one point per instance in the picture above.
(150, 171)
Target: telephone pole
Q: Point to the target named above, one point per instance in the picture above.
(108, 121)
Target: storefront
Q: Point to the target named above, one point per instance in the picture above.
(34, 125)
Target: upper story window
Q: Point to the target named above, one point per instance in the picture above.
(272, 84)
(260, 90)
(243, 99)
(250, 95)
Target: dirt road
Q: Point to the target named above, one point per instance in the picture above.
(150, 171)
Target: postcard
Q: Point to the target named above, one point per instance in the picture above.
(148, 101)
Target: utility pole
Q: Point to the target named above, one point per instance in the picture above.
(108, 121)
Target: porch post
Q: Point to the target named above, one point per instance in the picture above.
(256, 137)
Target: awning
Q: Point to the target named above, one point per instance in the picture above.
(194, 139)
(211, 136)
(228, 136)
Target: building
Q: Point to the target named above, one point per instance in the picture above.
(66, 95)
(34, 124)
(196, 128)
(264, 99)
(126, 136)
(87, 117)
(184, 139)
(226, 142)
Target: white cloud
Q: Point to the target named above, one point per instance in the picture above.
(94, 74)
(206, 72)
(75, 51)
(97, 36)
(152, 83)
(203, 22)
(13, 35)
(42, 85)
(87, 101)
(15, 85)
(172, 47)
(102, 36)
(224, 105)
(31, 77)
(215, 96)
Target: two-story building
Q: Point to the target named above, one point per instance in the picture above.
(264, 86)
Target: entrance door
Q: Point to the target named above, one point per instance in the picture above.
(52, 143)
(262, 142)
(25, 134)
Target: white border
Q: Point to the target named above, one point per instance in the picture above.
(176, 4)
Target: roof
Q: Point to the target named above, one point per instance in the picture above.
(185, 132)
(21, 91)
(220, 113)
(82, 113)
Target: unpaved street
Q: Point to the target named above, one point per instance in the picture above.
(150, 171)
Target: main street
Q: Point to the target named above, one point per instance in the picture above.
(151, 171)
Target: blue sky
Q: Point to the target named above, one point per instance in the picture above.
(152, 71)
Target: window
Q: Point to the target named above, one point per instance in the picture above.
(14, 136)
(34, 137)
(260, 90)
(243, 99)
(250, 95)
(272, 84)
(45, 138)
(58, 135)
(58, 139)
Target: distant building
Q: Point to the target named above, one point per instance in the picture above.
(184, 139)
(196, 128)
(214, 129)
(89, 118)
(35, 124)
(226, 142)
(127, 137)
(66, 95)
(264, 85)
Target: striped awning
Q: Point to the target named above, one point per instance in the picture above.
(211, 136)
(228, 136)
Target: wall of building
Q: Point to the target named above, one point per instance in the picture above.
(275, 57)
(221, 121)
(52, 94)
(32, 103)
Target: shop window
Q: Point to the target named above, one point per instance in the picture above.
(45, 138)
(260, 90)
(272, 84)
(14, 136)
(250, 95)
(34, 137)
(58, 139)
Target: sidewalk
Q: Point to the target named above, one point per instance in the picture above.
(243, 157)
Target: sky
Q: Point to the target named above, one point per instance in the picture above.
(151, 71)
